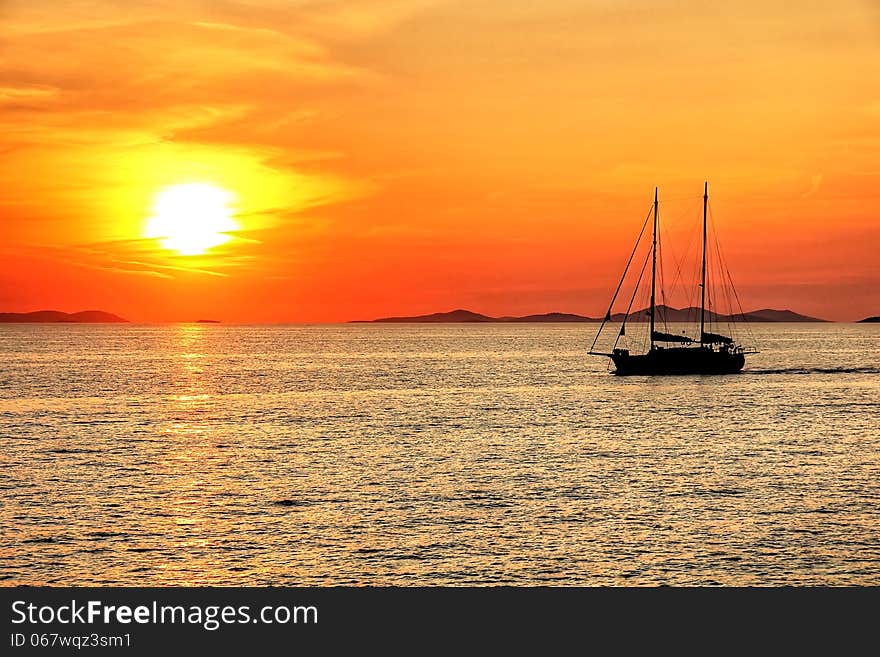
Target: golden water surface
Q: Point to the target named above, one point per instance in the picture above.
(431, 455)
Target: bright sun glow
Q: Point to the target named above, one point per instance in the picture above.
(192, 218)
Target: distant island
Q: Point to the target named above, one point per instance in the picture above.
(870, 320)
(666, 313)
(207, 321)
(58, 317)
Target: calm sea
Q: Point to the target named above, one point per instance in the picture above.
(431, 455)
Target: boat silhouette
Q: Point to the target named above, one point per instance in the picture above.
(673, 353)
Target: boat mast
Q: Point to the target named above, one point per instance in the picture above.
(703, 277)
(654, 269)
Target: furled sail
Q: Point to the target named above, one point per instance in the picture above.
(669, 337)
(715, 338)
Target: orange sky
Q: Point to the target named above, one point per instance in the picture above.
(401, 157)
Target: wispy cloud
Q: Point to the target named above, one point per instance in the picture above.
(815, 183)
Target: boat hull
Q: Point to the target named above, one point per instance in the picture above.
(678, 360)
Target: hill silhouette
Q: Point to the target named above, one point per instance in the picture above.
(692, 314)
(548, 317)
(453, 316)
(664, 313)
(870, 320)
(56, 317)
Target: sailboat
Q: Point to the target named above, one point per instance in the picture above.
(671, 353)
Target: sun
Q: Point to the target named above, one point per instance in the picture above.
(192, 218)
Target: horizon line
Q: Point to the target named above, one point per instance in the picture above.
(379, 320)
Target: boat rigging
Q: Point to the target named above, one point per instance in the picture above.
(671, 353)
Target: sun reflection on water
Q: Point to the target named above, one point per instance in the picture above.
(191, 471)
